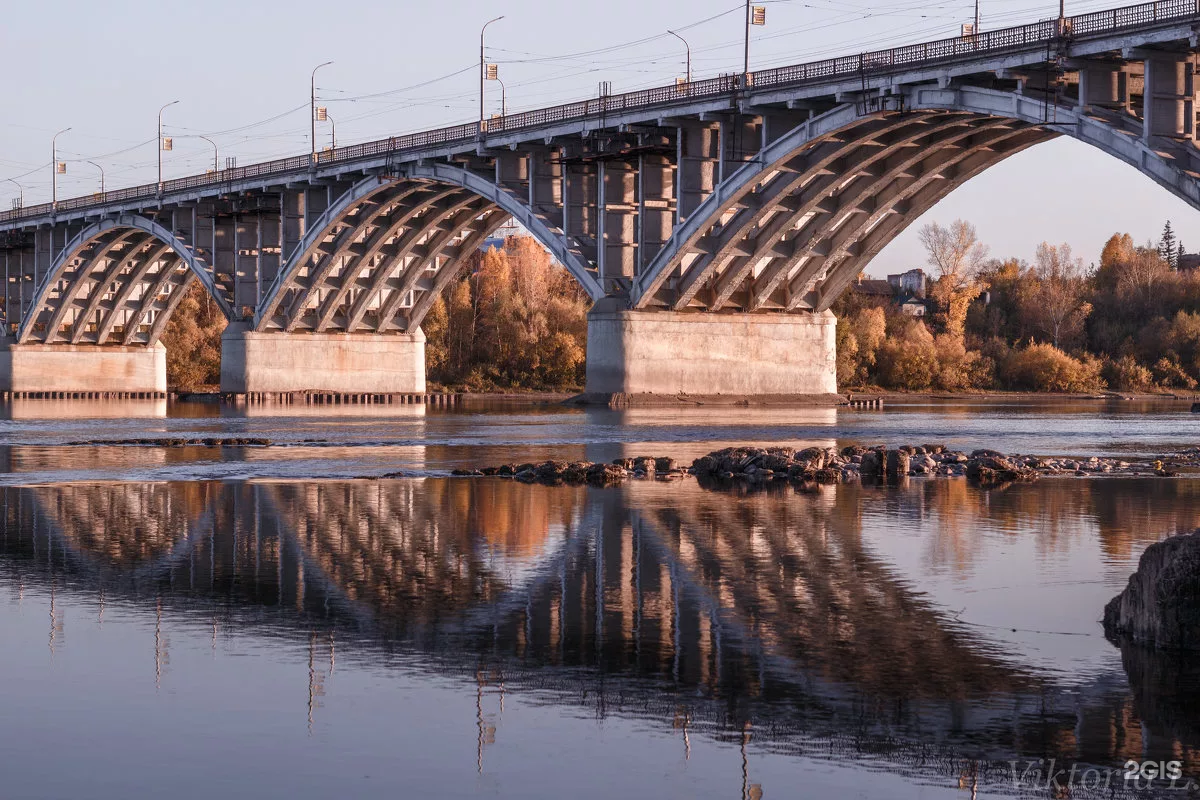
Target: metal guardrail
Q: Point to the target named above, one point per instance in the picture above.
(864, 64)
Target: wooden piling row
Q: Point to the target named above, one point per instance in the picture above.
(439, 399)
(8, 396)
(875, 402)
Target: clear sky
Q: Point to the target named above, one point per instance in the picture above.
(241, 73)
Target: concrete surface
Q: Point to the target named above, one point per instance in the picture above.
(343, 363)
(82, 368)
(667, 353)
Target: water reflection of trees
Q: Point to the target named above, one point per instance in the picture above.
(767, 610)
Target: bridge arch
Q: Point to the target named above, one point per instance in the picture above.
(380, 255)
(791, 228)
(116, 282)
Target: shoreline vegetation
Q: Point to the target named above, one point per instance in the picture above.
(515, 324)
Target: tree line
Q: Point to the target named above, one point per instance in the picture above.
(1129, 323)
(513, 320)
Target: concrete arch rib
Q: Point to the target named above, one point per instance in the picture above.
(753, 230)
(574, 262)
(88, 250)
(728, 193)
(1071, 121)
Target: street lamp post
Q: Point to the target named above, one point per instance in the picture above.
(689, 53)
(97, 166)
(312, 109)
(160, 141)
(332, 131)
(483, 70)
(214, 146)
(54, 168)
(20, 192)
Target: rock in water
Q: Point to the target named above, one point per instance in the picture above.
(897, 465)
(1161, 605)
(873, 463)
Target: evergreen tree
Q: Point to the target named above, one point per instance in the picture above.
(1166, 245)
(1179, 254)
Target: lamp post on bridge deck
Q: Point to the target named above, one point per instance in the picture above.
(688, 47)
(97, 166)
(20, 193)
(54, 169)
(483, 70)
(312, 110)
(161, 142)
(214, 147)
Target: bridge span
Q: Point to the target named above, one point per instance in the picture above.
(713, 223)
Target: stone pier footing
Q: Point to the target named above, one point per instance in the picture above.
(67, 371)
(663, 353)
(335, 363)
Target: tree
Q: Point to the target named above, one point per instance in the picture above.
(193, 341)
(1052, 300)
(1166, 245)
(956, 255)
(1142, 273)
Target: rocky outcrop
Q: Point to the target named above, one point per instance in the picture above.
(1161, 605)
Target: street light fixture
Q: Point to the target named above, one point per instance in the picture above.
(20, 193)
(162, 144)
(214, 146)
(332, 130)
(54, 168)
(312, 109)
(689, 53)
(97, 166)
(483, 70)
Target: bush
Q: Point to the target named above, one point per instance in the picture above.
(908, 359)
(1168, 372)
(1127, 375)
(1045, 368)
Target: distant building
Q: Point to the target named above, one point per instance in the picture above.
(909, 284)
(874, 288)
(913, 307)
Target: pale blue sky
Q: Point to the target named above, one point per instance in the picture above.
(241, 71)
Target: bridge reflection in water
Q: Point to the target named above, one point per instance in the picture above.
(766, 617)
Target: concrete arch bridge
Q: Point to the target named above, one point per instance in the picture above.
(712, 223)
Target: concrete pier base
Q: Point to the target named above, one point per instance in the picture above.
(336, 363)
(82, 371)
(750, 355)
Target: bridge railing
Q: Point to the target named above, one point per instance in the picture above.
(861, 65)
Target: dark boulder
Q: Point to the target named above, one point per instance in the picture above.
(1161, 605)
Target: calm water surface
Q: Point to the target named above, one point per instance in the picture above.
(191, 622)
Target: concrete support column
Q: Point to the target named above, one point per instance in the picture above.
(670, 353)
(1104, 85)
(619, 216)
(656, 209)
(338, 363)
(81, 369)
(698, 159)
(1170, 95)
(545, 186)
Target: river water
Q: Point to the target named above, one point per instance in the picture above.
(278, 621)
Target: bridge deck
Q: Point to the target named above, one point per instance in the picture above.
(1079, 35)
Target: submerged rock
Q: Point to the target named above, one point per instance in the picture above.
(1161, 605)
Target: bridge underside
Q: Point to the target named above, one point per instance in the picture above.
(713, 237)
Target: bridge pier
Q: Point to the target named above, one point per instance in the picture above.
(699, 353)
(77, 370)
(338, 363)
